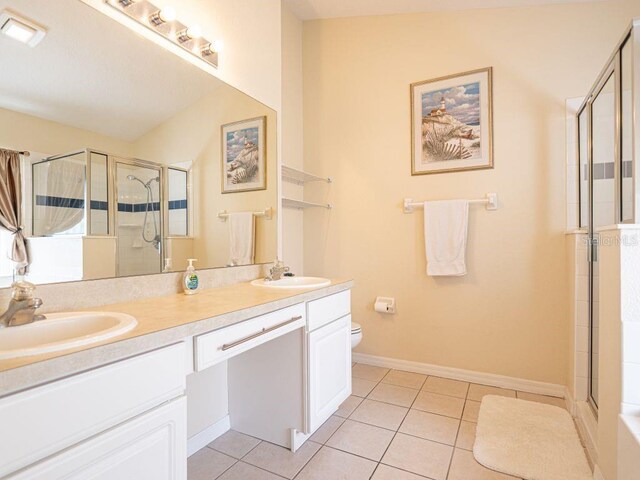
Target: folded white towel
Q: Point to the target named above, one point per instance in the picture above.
(241, 238)
(445, 234)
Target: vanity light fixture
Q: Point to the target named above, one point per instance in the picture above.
(21, 29)
(164, 22)
(164, 15)
(188, 34)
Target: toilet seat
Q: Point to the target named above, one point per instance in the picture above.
(355, 328)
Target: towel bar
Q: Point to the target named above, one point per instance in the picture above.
(266, 213)
(490, 201)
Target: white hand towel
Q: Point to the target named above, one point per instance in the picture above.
(241, 238)
(445, 234)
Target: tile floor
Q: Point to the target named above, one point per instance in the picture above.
(396, 426)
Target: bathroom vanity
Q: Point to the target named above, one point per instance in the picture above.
(119, 409)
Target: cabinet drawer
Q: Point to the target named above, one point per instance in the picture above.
(326, 310)
(45, 420)
(152, 446)
(219, 345)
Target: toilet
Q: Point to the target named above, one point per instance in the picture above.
(356, 334)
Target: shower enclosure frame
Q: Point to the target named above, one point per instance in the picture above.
(87, 185)
(112, 196)
(134, 162)
(613, 68)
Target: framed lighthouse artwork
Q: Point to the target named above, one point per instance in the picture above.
(451, 123)
(244, 156)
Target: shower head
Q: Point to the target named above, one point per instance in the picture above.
(154, 179)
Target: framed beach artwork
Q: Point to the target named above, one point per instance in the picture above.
(244, 156)
(451, 123)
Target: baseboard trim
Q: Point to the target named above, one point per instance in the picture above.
(530, 386)
(588, 430)
(208, 435)
(570, 402)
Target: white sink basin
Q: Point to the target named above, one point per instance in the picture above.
(61, 331)
(293, 282)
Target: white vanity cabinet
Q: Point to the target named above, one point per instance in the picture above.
(126, 420)
(149, 447)
(329, 356)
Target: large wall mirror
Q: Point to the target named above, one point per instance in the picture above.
(138, 159)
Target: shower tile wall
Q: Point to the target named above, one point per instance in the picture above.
(135, 256)
(178, 219)
(99, 195)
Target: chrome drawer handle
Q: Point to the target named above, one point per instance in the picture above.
(264, 331)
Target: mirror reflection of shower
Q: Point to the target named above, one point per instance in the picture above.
(139, 220)
(155, 240)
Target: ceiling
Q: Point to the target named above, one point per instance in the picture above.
(90, 72)
(314, 9)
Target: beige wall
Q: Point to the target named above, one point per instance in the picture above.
(194, 135)
(292, 135)
(26, 132)
(509, 314)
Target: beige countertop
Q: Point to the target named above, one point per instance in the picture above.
(161, 321)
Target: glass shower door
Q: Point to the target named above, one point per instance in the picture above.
(138, 219)
(603, 208)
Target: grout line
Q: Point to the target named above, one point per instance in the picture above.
(310, 458)
(227, 469)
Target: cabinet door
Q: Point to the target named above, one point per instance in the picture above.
(152, 446)
(329, 370)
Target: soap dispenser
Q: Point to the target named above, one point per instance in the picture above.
(191, 281)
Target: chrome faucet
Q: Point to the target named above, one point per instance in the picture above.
(22, 307)
(277, 271)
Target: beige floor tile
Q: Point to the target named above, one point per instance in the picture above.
(400, 396)
(348, 406)
(361, 439)
(532, 397)
(419, 456)
(385, 472)
(445, 386)
(471, 410)
(207, 464)
(369, 372)
(476, 392)
(331, 464)
(440, 404)
(430, 426)
(404, 379)
(327, 429)
(360, 387)
(234, 444)
(379, 414)
(280, 460)
(465, 467)
(466, 435)
(244, 471)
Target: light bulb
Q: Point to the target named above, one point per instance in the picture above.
(194, 32)
(168, 13)
(218, 46)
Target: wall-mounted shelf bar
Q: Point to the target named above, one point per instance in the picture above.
(299, 177)
(290, 203)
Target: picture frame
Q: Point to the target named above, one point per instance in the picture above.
(452, 123)
(244, 155)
